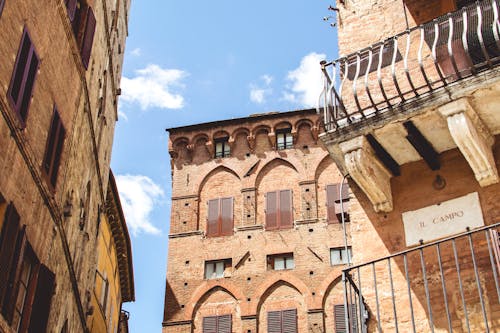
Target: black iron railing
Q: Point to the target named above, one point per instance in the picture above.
(448, 285)
(413, 63)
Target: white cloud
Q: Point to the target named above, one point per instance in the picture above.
(258, 93)
(154, 86)
(306, 81)
(138, 196)
(136, 52)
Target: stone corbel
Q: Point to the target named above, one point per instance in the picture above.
(272, 139)
(231, 141)
(473, 139)
(210, 147)
(367, 171)
(173, 154)
(251, 142)
(315, 133)
(294, 135)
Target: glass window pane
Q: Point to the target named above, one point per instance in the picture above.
(209, 270)
(289, 140)
(290, 263)
(279, 263)
(219, 269)
(335, 258)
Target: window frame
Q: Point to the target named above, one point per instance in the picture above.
(272, 258)
(287, 135)
(218, 324)
(225, 148)
(227, 265)
(275, 216)
(2, 3)
(23, 80)
(341, 251)
(54, 148)
(284, 321)
(339, 318)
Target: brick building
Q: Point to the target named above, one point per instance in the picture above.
(410, 114)
(255, 242)
(59, 83)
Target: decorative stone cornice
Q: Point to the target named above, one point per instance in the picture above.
(368, 172)
(472, 138)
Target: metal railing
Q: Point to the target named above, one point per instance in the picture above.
(448, 285)
(413, 63)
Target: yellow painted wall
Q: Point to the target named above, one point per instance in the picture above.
(105, 319)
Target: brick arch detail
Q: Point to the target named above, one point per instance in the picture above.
(291, 162)
(325, 159)
(285, 278)
(331, 280)
(239, 131)
(211, 172)
(211, 286)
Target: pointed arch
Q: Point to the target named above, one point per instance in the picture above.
(211, 286)
(212, 172)
(274, 280)
(331, 281)
(291, 162)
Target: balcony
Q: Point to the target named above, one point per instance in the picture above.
(429, 89)
(445, 286)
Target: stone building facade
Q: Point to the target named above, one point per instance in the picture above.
(256, 239)
(411, 115)
(59, 83)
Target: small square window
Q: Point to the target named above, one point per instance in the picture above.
(217, 269)
(279, 262)
(339, 256)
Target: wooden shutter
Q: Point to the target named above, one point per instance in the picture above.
(9, 300)
(2, 2)
(54, 146)
(285, 209)
(43, 298)
(274, 322)
(210, 324)
(289, 321)
(71, 9)
(331, 195)
(224, 324)
(213, 218)
(23, 77)
(226, 216)
(8, 238)
(339, 316)
(344, 198)
(88, 37)
(495, 244)
(271, 210)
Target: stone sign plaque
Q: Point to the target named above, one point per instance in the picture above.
(444, 219)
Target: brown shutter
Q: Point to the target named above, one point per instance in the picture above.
(224, 324)
(213, 218)
(210, 324)
(331, 194)
(61, 133)
(339, 316)
(285, 207)
(71, 8)
(289, 321)
(2, 2)
(43, 298)
(8, 238)
(88, 37)
(274, 322)
(54, 146)
(226, 216)
(23, 77)
(344, 196)
(495, 244)
(271, 211)
(15, 271)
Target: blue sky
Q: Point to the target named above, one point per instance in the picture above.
(189, 62)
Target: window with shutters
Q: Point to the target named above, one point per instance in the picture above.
(26, 285)
(220, 217)
(2, 2)
(83, 22)
(217, 269)
(280, 262)
(279, 212)
(340, 320)
(23, 77)
(282, 321)
(284, 139)
(336, 202)
(222, 148)
(339, 256)
(54, 148)
(217, 324)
